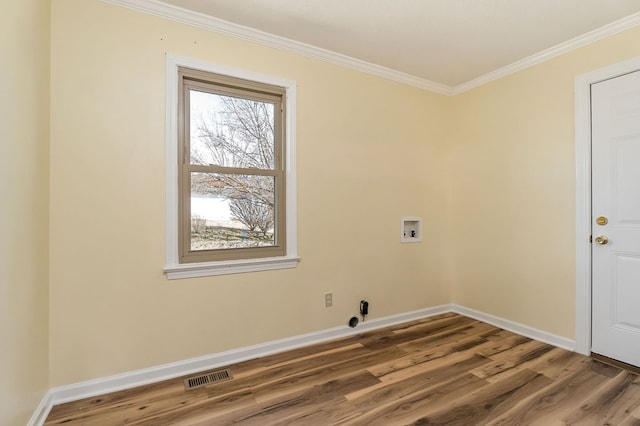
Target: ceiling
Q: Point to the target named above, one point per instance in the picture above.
(447, 42)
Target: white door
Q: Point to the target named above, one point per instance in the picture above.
(616, 218)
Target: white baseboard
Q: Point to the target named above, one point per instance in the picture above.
(42, 411)
(523, 330)
(90, 388)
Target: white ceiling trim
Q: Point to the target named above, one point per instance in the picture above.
(195, 19)
(615, 27)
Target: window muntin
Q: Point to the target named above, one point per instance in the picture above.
(231, 162)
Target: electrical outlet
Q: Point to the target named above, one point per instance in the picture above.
(328, 300)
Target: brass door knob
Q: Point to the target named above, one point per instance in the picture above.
(601, 239)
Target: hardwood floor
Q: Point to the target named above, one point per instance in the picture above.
(444, 370)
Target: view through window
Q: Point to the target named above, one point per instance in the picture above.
(232, 177)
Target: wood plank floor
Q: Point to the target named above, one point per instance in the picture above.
(444, 370)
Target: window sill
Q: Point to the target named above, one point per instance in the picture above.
(194, 270)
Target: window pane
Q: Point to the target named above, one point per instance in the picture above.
(232, 211)
(231, 132)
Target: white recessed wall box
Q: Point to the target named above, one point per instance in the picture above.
(410, 229)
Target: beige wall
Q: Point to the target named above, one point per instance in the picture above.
(24, 159)
(369, 152)
(513, 189)
(491, 171)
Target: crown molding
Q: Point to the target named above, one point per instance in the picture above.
(615, 27)
(199, 20)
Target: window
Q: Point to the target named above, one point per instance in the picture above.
(231, 188)
(231, 178)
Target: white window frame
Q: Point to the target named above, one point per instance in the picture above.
(173, 268)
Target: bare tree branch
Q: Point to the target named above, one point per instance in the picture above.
(240, 134)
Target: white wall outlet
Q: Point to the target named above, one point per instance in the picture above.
(328, 300)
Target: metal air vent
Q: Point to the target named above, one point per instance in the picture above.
(207, 379)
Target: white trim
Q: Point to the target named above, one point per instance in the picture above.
(582, 93)
(221, 26)
(174, 269)
(582, 88)
(42, 411)
(206, 269)
(90, 388)
(210, 23)
(523, 330)
(618, 26)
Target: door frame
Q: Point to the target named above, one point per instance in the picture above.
(582, 92)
